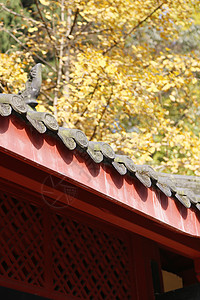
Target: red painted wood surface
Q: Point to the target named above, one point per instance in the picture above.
(46, 152)
(51, 253)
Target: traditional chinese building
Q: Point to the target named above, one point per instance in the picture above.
(79, 221)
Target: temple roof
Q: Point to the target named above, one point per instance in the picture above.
(185, 189)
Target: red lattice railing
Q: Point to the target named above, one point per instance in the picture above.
(69, 258)
(21, 242)
(92, 258)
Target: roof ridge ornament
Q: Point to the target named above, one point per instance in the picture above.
(32, 86)
(20, 101)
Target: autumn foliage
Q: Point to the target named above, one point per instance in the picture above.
(116, 70)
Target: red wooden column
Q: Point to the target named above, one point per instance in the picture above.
(145, 255)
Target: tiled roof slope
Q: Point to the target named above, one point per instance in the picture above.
(185, 189)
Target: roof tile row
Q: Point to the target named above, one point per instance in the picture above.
(24, 104)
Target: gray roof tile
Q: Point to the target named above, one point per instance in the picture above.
(185, 189)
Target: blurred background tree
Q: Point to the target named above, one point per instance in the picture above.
(126, 72)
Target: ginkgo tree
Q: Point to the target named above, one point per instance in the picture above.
(111, 69)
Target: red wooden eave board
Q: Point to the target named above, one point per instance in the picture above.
(46, 152)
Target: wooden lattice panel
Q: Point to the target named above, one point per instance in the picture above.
(58, 256)
(21, 242)
(88, 263)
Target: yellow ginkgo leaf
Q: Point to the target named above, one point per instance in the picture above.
(32, 29)
(44, 2)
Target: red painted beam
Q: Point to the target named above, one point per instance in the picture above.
(46, 153)
(96, 206)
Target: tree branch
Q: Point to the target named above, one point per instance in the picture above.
(46, 96)
(19, 15)
(2, 88)
(50, 87)
(134, 28)
(45, 25)
(91, 97)
(26, 48)
(60, 64)
(74, 22)
(85, 26)
(103, 112)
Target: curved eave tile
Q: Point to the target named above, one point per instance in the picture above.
(98, 151)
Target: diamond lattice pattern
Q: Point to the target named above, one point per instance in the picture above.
(97, 263)
(85, 262)
(21, 243)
